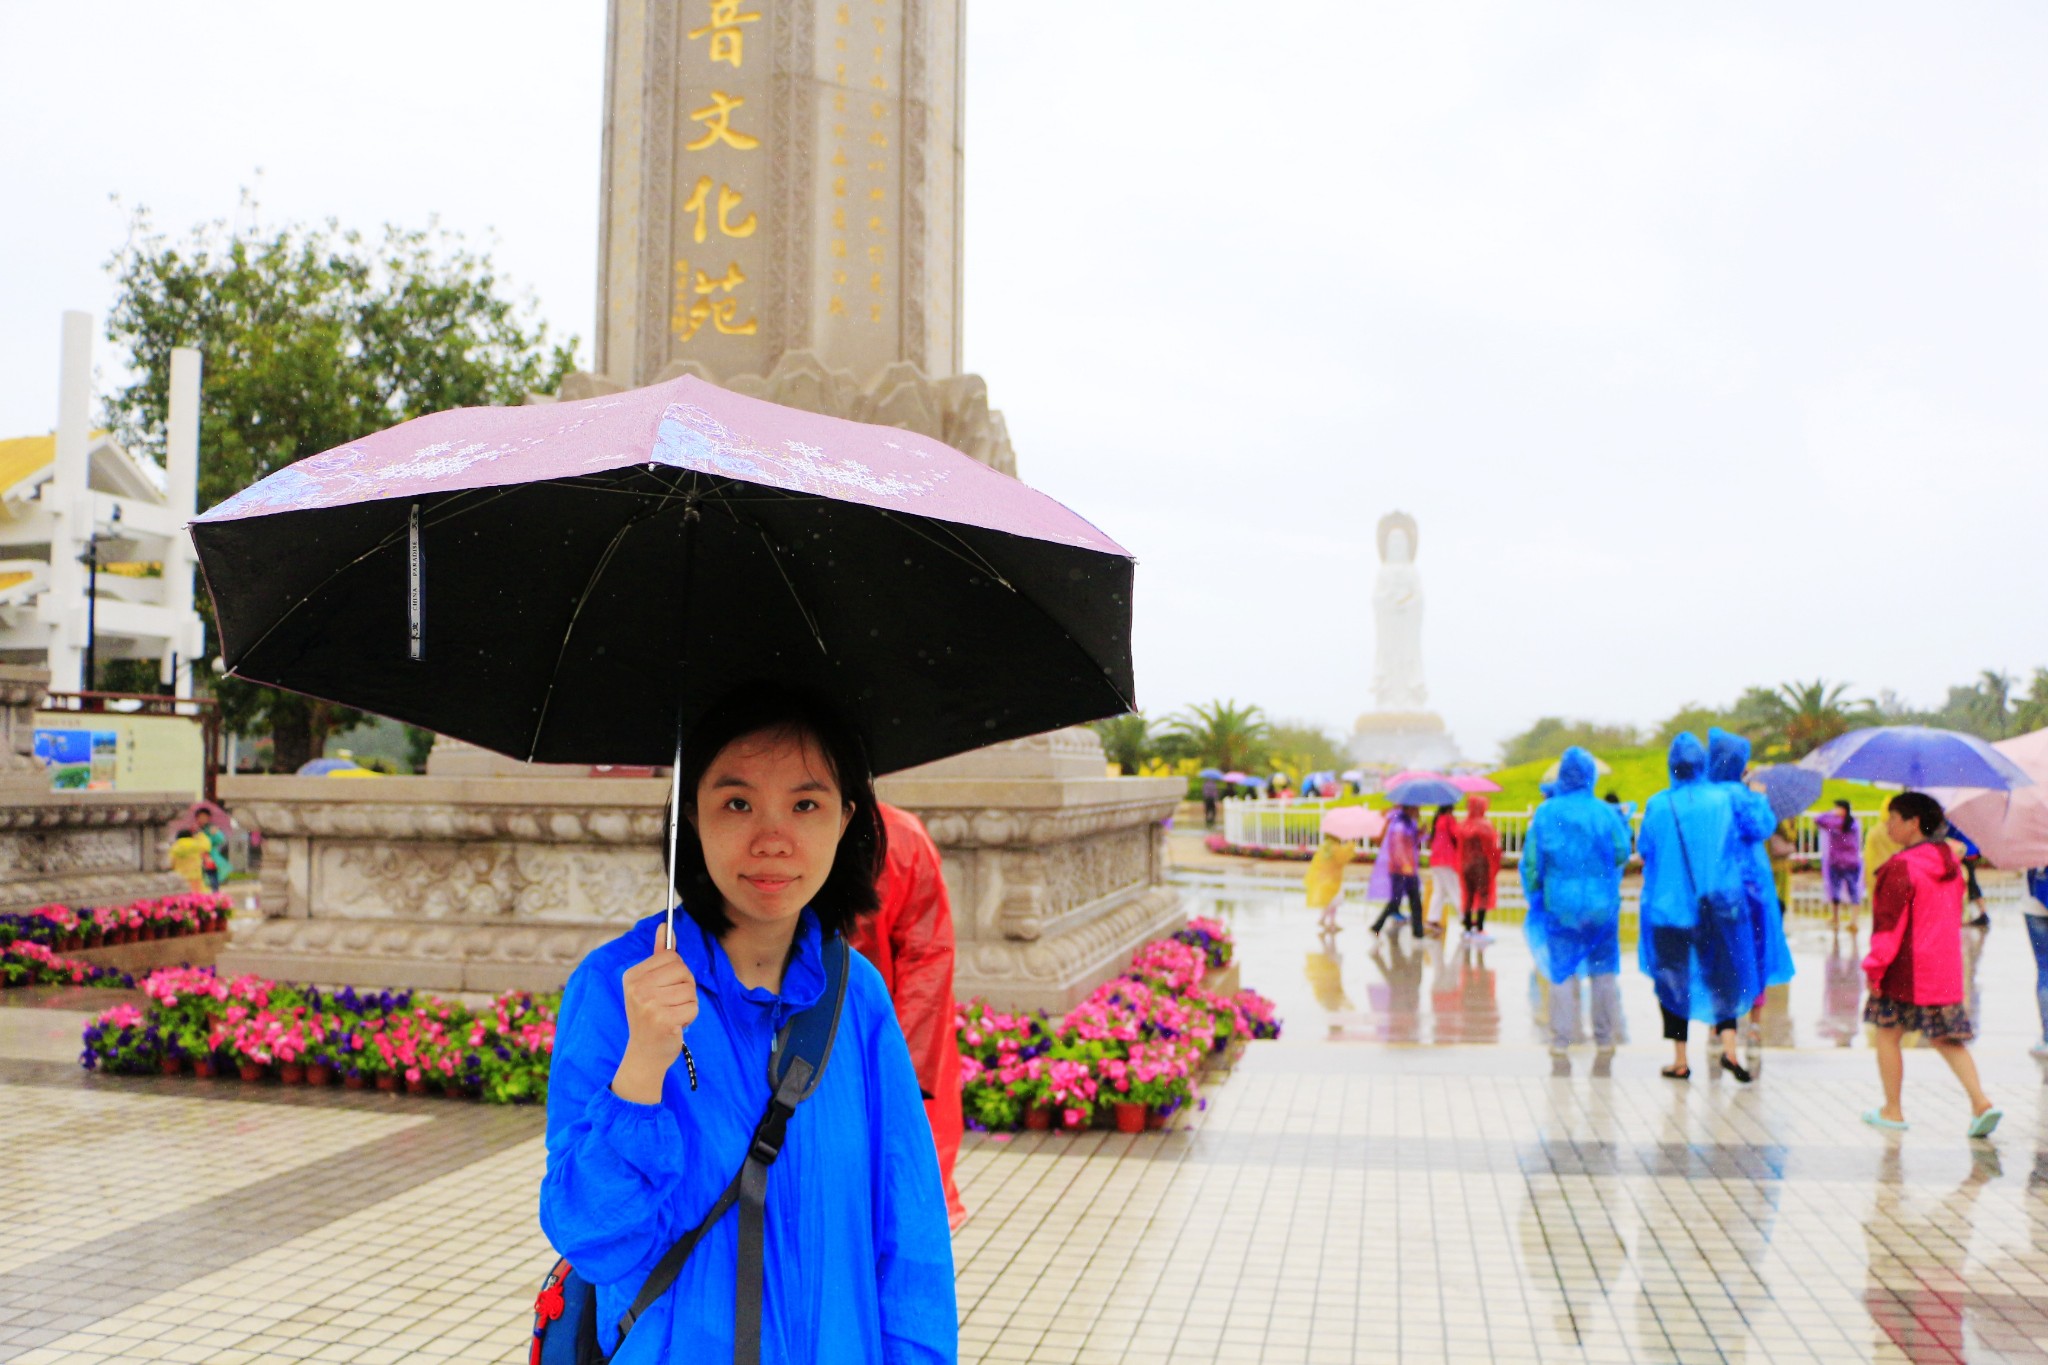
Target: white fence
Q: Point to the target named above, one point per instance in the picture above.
(1297, 826)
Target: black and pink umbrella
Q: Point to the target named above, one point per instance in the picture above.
(575, 582)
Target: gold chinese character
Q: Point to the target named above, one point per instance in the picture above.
(839, 277)
(839, 103)
(839, 71)
(728, 200)
(881, 25)
(717, 120)
(878, 54)
(875, 252)
(874, 312)
(878, 138)
(704, 306)
(877, 109)
(875, 282)
(836, 307)
(875, 193)
(839, 185)
(839, 44)
(839, 216)
(875, 223)
(877, 82)
(839, 156)
(724, 28)
(839, 247)
(843, 16)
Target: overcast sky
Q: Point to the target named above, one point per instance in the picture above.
(1708, 345)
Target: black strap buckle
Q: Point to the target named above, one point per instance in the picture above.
(770, 1134)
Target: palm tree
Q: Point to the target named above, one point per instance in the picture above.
(1223, 734)
(1126, 740)
(1994, 708)
(1814, 713)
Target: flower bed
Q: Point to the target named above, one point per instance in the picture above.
(26, 963)
(1134, 1048)
(64, 929)
(391, 1040)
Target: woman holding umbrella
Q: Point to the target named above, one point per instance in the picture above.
(777, 852)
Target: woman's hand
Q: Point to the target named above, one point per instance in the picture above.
(661, 1001)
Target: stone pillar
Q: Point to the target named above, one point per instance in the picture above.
(1056, 871)
(780, 177)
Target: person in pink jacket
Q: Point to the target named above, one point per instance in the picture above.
(1915, 966)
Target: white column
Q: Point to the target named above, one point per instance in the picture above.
(187, 640)
(63, 606)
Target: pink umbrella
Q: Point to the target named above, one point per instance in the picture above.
(1413, 775)
(1473, 782)
(1353, 822)
(2011, 827)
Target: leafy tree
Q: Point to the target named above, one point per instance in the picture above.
(1983, 708)
(1815, 712)
(2032, 711)
(313, 336)
(1690, 717)
(1223, 734)
(1552, 735)
(1126, 741)
(1298, 747)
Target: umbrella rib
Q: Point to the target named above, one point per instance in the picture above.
(960, 549)
(554, 674)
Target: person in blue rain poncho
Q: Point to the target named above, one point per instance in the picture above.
(1698, 943)
(1727, 761)
(1572, 859)
(779, 846)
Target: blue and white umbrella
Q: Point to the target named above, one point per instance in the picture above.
(1425, 791)
(1789, 790)
(1916, 757)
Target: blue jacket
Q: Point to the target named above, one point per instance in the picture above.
(1727, 761)
(1704, 965)
(859, 1256)
(1572, 859)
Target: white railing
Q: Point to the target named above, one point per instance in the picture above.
(1297, 825)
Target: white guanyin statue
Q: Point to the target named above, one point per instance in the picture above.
(1397, 619)
(1400, 730)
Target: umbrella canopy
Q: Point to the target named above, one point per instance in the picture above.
(1211, 774)
(1412, 775)
(1789, 790)
(1352, 775)
(1474, 782)
(1916, 756)
(1434, 791)
(1599, 769)
(2011, 829)
(1353, 822)
(328, 767)
(577, 582)
(1240, 778)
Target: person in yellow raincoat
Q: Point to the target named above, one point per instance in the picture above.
(188, 858)
(1325, 879)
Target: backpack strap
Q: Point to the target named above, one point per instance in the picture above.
(796, 1064)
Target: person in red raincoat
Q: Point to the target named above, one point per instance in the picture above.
(909, 938)
(1479, 861)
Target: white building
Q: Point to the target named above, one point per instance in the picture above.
(61, 492)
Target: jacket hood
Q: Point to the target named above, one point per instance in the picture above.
(1688, 758)
(1475, 806)
(1935, 859)
(1727, 755)
(1575, 771)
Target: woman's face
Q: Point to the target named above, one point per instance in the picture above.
(1900, 829)
(769, 816)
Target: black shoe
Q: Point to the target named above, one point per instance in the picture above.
(1737, 1070)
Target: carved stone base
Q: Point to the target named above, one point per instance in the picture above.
(85, 848)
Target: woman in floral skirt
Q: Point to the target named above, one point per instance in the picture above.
(1915, 966)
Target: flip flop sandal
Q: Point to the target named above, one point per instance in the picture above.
(1877, 1120)
(1676, 1073)
(1985, 1123)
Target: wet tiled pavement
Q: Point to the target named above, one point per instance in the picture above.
(1401, 1179)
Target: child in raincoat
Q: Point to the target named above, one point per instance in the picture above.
(1479, 867)
(1915, 965)
(188, 859)
(1571, 870)
(1325, 879)
(1841, 859)
(779, 845)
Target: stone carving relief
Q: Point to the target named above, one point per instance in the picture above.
(1041, 886)
(449, 880)
(83, 850)
(103, 888)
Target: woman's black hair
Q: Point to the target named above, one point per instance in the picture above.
(1844, 804)
(1922, 809)
(772, 709)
